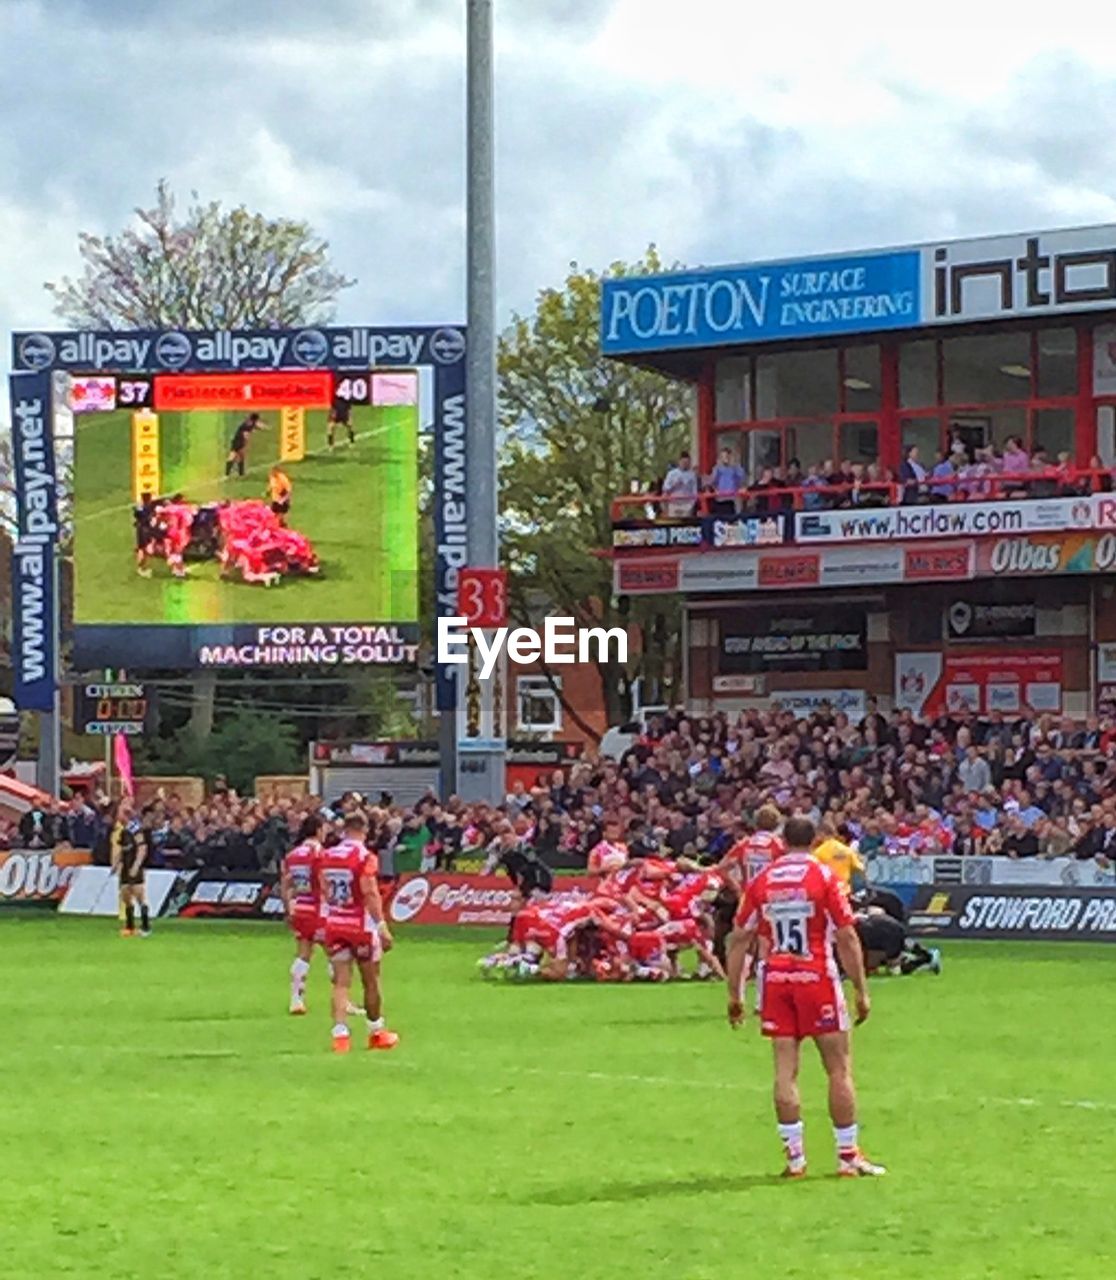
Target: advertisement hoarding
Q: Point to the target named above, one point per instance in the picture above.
(37, 878)
(945, 520)
(930, 684)
(793, 638)
(34, 575)
(471, 899)
(1030, 913)
(261, 609)
(708, 531)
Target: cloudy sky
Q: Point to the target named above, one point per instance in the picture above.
(619, 122)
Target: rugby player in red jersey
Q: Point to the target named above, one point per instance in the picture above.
(355, 931)
(796, 910)
(298, 886)
(761, 846)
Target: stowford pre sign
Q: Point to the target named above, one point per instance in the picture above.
(760, 303)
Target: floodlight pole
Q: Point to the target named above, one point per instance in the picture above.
(480, 775)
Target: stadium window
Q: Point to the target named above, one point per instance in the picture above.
(926, 433)
(797, 384)
(810, 442)
(859, 441)
(1006, 423)
(918, 374)
(987, 368)
(734, 390)
(1057, 362)
(860, 379)
(765, 449)
(539, 709)
(1054, 430)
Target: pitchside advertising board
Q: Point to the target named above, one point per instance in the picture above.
(1032, 914)
(999, 277)
(241, 498)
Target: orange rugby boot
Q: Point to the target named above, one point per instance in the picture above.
(382, 1039)
(342, 1044)
(796, 1167)
(855, 1165)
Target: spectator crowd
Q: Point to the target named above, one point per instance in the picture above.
(1024, 788)
(959, 473)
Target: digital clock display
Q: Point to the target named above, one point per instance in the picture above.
(102, 709)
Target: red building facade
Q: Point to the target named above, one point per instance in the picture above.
(837, 571)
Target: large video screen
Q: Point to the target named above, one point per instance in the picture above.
(243, 519)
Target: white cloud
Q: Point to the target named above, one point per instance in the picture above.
(620, 122)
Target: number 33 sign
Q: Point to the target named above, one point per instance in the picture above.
(482, 597)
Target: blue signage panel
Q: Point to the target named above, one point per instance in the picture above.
(765, 302)
(34, 632)
(211, 350)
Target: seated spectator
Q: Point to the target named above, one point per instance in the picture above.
(1020, 841)
(41, 827)
(813, 499)
(1014, 462)
(763, 504)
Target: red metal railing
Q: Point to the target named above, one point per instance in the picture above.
(1055, 482)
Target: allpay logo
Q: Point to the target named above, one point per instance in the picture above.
(208, 349)
(38, 529)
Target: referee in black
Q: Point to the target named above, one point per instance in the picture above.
(340, 415)
(128, 850)
(238, 446)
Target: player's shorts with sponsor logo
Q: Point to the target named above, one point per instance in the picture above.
(306, 924)
(352, 939)
(797, 1004)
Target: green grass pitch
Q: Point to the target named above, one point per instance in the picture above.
(163, 1116)
(358, 505)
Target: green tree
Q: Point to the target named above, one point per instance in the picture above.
(212, 268)
(578, 430)
(242, 747)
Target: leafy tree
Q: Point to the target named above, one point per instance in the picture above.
(242, 747)
(213, 268)
(577, 431)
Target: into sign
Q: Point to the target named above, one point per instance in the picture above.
(482, 597)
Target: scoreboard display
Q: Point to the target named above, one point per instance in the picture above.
(312, 389)
(104, 709)
(245, 518)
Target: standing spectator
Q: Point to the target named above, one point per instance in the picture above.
(680, 488)
(726, 480)
(973, 772)
(943, 477)
(912, 475)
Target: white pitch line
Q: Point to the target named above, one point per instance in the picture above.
(674, 1082)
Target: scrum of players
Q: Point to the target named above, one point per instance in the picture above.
(641, 917)
(249, 538)
(645, 913)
